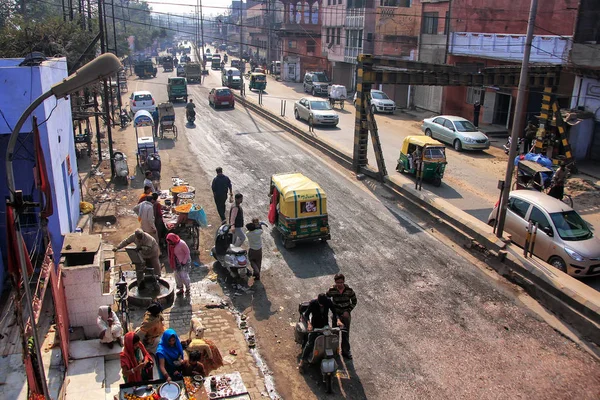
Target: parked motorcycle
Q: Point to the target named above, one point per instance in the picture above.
(233, 259)
(506, 146)
(120, 166)
(326, 346)
(191, 116)
(125, 118)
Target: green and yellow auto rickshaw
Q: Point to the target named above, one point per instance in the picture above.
(258, 81)
(423, 150)
(298, 209)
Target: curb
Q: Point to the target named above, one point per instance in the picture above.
(572, 307)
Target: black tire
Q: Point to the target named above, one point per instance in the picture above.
(342, 104)
(457, 145)
(428, 132)
(558, 263)
(373, 110)
(186, 99)
(296, 115)
(328, 383)
(437, 182)
(288, 244)
(492, 222)
(312, 91)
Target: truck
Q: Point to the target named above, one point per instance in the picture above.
(215, 61)
(193, 72)
(177, 89)
(145, 69)
(167, 63)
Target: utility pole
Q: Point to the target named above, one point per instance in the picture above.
(114, 25)
(201, 30)
(241, 37)
(517, 125)
(269, 24)
(105, 103)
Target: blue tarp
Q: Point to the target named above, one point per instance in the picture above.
(538, 158)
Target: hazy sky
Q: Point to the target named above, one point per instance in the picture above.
(209, 7)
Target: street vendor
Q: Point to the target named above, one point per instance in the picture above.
(148, 250)
(161, 229)
(152, 327)
(136, 362)
(170, 356)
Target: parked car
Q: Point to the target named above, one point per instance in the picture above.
(315, 111)
(461, 133)
(316, 83)
(141, 100)
(221, 96)
(181, 70)
(563, 239)
(380, 102)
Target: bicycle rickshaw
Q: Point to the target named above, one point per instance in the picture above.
(337, 94)
(166, 120)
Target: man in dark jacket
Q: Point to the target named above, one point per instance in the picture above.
(220, 186)
(317, 316)
(344, 301)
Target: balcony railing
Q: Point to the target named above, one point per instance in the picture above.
(351, 53)
(355, 18)
(545, 48)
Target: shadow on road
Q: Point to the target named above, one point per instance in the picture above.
(346, 385)
(309, 259)
(481, 214)
(257, 299)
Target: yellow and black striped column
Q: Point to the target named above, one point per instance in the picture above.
(365, 78)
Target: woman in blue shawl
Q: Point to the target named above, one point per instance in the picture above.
(170, 355)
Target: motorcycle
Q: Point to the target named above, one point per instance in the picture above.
(120, 166)
(326, 346)
(506, 146)
(233, 259)
(191, 116)
(125, 118)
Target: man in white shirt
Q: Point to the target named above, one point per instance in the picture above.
(145, 213)
(254, 236)
(148, 181)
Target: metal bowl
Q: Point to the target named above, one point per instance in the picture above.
(199, 378)
(144, 391)
(170, 391)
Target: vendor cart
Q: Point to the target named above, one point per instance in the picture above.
(337, 95)
(182, 216)
(146, 146)
(166, 118)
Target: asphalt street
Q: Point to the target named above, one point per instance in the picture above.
(429, 323)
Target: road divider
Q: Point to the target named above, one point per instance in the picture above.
(573, 301)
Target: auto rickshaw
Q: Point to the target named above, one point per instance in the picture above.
(258, 81)
(430, 152)
(298, 209)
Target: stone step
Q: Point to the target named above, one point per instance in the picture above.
(113, 378)
(83, 349)
(85, 379)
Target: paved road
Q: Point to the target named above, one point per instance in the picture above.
(429, 323)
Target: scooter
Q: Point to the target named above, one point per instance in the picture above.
(506, 146)
(120, 166)
(233, 259)
(191, 116)
(125, 118)
(326, 347)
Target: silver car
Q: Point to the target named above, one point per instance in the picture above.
(563, 239)
(315, 111)
(460, 132)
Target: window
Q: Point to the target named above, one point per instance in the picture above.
(338, 35)
(308, 206)
(328, 35)
(448, 125)
(570, 226)
(474, 94)
(538, 216)
(328, 2)
(292, 44)
(311, 46)
(430, 23)
(439, 121)
(518, 206)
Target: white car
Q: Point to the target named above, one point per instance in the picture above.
(315, 111)
(461, 133)
(380, 102)
(141, 100)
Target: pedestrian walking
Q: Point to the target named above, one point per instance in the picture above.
(236, 220)
(180, 262)
(476, 110)
(311, 128)
(148, 250)
(344, 301)
(161, 229)
(221, 185)
(254, 235)
(145, 213)
(155, 118)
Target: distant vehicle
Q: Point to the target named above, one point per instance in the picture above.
(316, 83)
(276, 67)
(221, 96)
(193, 72)
(177, 89)
(181, 70)
(231, 77)
(563, 239)
(145, 69)
(380, 102)
(215, 62)
(236, 63)
(315, 111)
(141, 100)
(459, 132)
(167, 63)
(223, 47)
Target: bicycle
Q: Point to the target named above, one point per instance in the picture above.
(121, 296)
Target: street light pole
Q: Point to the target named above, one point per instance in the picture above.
(105, 65)
(517, 125)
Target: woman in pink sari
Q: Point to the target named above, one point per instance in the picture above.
(180, 261)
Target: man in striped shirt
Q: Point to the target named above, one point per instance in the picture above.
(344, 301)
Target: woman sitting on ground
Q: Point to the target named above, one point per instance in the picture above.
(110, 326)
(170, 356)
(136, 362)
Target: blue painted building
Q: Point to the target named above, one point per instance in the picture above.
(19, 86)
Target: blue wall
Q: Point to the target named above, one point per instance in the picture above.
(19, 86)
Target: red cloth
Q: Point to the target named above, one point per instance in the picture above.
(128, 360)
(42, 175)
(273, 207)
(172, 241)
(14, 266)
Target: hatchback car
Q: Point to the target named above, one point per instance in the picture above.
(380, 102)
(563, 239)
(221, 96)
(461, 133)
(315, 111)
(141, 100)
